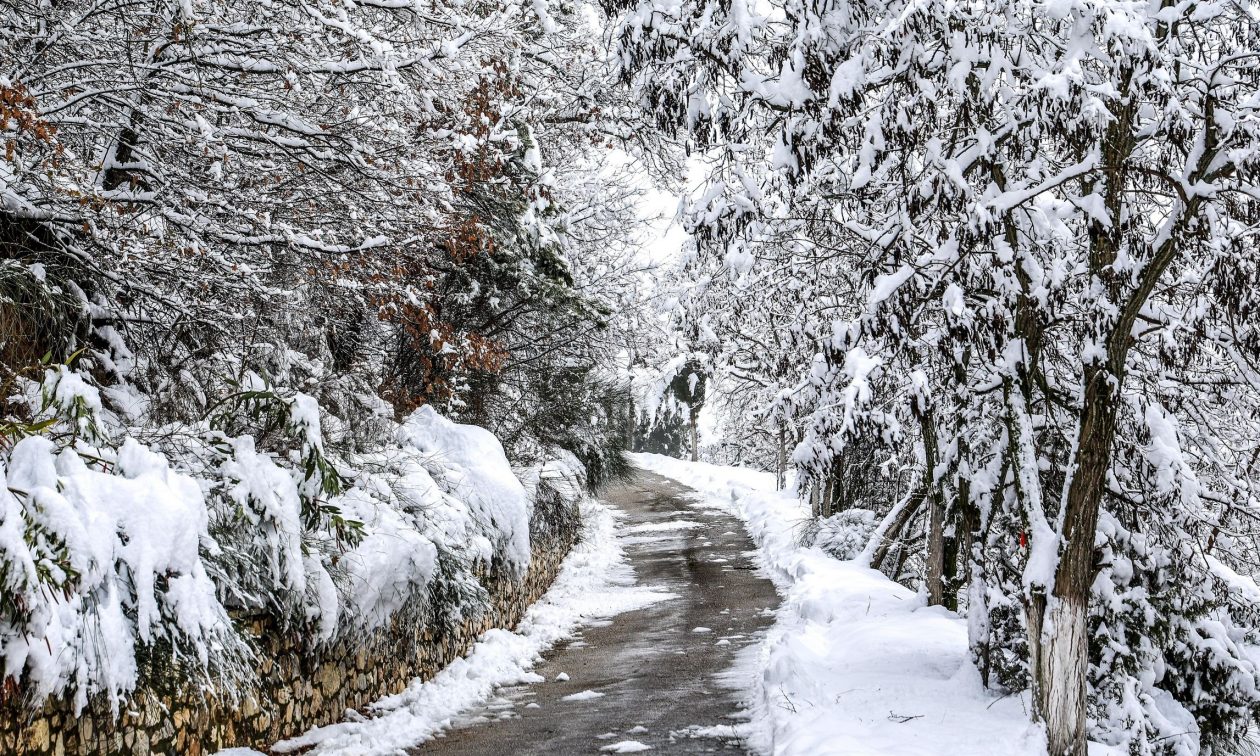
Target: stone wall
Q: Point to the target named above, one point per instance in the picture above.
(299, 687)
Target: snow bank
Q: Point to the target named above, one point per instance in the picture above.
(855, 663)
(480, 476)
(594, 582)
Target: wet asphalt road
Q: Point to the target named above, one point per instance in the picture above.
(662, 681)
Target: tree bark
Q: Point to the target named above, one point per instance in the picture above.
(934, 567)
(949, 577)
(695, 440)
(969, 528)
(840, 499)
(781, 474)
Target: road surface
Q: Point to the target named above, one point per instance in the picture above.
(665, 674)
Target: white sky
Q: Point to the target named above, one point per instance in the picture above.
(665, 240)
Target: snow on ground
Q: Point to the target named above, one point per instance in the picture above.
(626, 746)
(594, 582)
(855, 663)
(654, 527)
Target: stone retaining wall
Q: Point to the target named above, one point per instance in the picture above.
(299, 687)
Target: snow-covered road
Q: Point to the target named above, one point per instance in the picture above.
(855, 664)
(664, 634)
(663, 679)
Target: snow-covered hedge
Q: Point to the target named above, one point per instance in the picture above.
(845, 534)
(121, 559)
(96, 560)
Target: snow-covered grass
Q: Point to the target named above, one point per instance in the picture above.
(594, 582)
(854, 663)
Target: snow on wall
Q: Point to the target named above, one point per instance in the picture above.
(108, 548)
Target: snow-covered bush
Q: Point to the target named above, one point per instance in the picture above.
(585, 417)
(555, 488)
(478, 474)
(102, 552)
(122, 562)
(844, 535)
(1168, 667)
(100, 560)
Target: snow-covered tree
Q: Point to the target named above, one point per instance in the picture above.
(1047, 210)
(258, 236)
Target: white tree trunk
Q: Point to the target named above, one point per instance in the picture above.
(780, 478)
(1058, 647)
(695, 440)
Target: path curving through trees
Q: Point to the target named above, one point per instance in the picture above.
(666, 677)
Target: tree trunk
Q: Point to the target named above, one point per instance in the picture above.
(631, 430)
(1058, 652)
(826, 497)
(695, 440)
(972, 580)
(840, 500)
(1059, 648)
(968, 528)
(898, 520)
(934, 567)
(781, 474)
(949, 577)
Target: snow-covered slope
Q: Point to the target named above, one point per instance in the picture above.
(855, 663)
